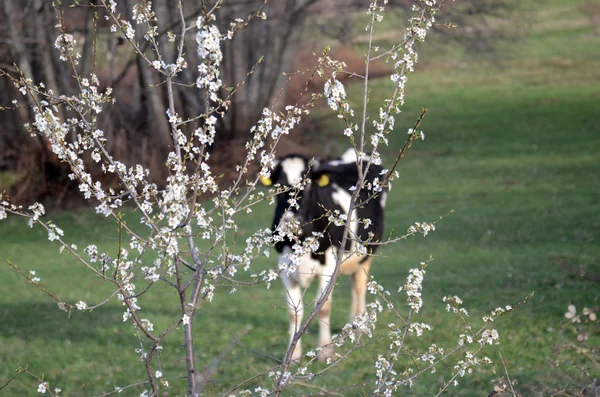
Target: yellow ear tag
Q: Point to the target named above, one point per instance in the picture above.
(266, 181)
(323, 181)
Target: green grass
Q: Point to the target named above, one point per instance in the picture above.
(511, 147)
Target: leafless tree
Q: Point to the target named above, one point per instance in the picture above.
(268, 49)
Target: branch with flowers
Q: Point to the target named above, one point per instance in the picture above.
(193, 206)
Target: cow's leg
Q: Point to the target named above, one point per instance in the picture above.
(325, 320)
(295, 307)
(359, 289)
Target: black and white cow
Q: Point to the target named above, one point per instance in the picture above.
(330, 190)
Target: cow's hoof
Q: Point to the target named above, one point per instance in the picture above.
(326, 353)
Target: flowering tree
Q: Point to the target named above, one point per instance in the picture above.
(188, 241)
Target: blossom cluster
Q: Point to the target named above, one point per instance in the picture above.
(413, 288)
(572, 315)
(453, 304)
(142, 12)
(65, 43)
(497, 312)
(335, 93)
(421, 227)
(274, 126)
(466, 365)
(209, 39)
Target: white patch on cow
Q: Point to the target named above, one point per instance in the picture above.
(348, 157)
(325, 313)
(306, 270)
(334, 162)
(293, 298)
(382, 199)
(342, 198)
(295, 284)
(286, 223)
(314, 163)
(284, 261)
(294, 169)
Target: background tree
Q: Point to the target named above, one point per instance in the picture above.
(272, 46)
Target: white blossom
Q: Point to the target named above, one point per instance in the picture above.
(32, 277)
(42, 387)
(335, 93)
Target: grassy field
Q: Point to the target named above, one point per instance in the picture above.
(512, 146)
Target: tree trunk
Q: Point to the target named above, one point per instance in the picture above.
(88, 45)
(152, 97)
(275, 39)
(44, 31)
(20, 53)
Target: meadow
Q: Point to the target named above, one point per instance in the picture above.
(511, 146)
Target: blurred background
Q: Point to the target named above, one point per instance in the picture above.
(137, 126)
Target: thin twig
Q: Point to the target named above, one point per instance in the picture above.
(120, 389)
(208, 371)
(507, 376)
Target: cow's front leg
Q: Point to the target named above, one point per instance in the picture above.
(295, 307)
(324, 321)
(359, 289)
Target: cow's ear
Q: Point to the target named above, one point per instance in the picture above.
(322, 180)
(265, 181)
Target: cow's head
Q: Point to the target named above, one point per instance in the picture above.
(291, 169)
(288, 173)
